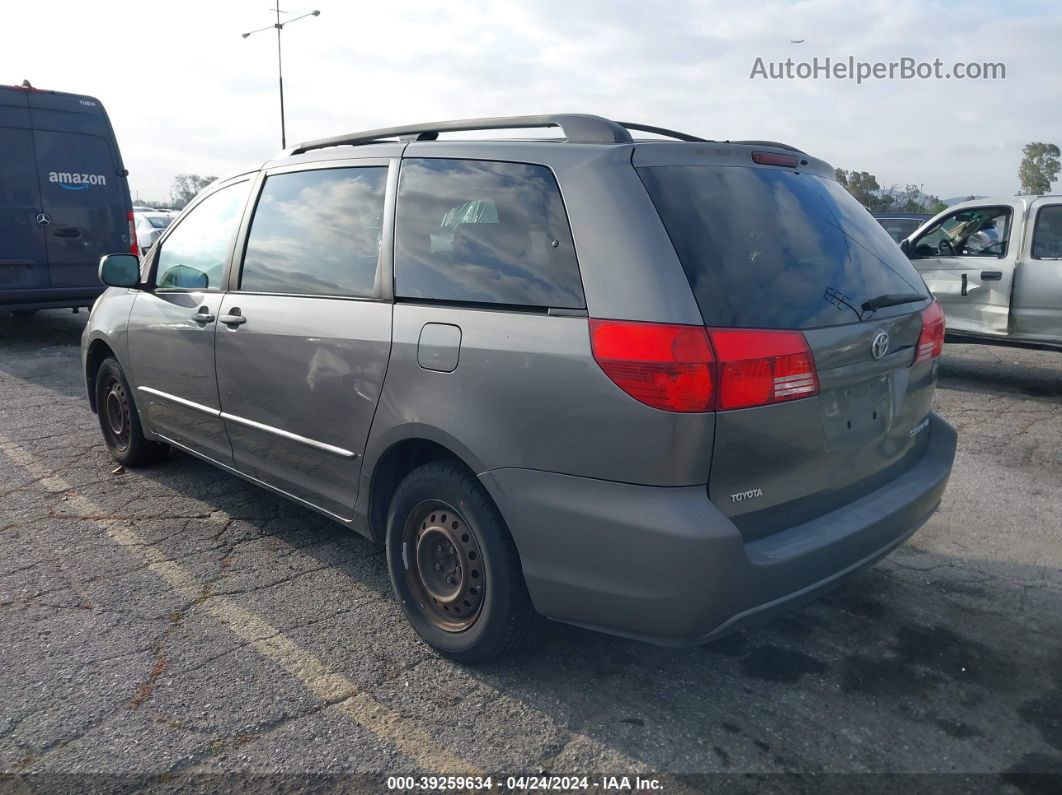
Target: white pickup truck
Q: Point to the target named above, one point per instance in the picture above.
(996, 267)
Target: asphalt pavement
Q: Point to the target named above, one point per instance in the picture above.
(176, 620)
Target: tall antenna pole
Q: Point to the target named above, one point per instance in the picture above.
(280, 75)
(279, 27)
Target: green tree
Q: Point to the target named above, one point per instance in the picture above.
(865, 188)
(1039, 168)
(186, 186)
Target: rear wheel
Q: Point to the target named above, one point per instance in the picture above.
(454, 566)
(119, 421)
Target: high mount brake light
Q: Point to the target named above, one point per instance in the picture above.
(774, 159)
(693, 369)
(931, 340)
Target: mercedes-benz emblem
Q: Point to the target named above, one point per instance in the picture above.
(880, 346)
(44, 219)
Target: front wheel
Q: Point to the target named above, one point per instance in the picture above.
(119, 420)
(454, 566)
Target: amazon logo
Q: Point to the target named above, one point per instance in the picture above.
(74, 181)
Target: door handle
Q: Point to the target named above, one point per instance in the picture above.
(964, 283)
(203, 316)
(68, 232)
(233, 319)
(991, 276)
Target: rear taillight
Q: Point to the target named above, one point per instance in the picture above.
(758, 367)
(665, 366)
(693, 369)
(931, 340)
(133, 247)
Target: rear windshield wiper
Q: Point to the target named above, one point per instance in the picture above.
(891, 299)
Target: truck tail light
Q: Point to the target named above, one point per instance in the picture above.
(133, 247)
(931, 340)
(692, 369)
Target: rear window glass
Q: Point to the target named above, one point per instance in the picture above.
(1047, 237)
(484, 232)
(159, 221)
(766, 248)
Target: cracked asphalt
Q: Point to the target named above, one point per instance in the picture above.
(175, 619)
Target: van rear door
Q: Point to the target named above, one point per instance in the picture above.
(22, 253)
(80, 193)
(83, 188)
(802, 290)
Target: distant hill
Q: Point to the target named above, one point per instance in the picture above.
(957, 199)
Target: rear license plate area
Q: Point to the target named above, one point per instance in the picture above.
(857, 414)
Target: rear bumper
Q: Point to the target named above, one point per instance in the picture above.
(50, 297)
(664, 565)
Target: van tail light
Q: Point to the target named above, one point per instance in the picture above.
(931, 340)
(758, 367)
(693, 369)
(665, 366)
(133, 247)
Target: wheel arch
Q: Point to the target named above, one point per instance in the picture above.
(400, 457)
(98, 350)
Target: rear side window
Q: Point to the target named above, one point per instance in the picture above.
(317, 233)
(767, 248)
(484, 232)
(1047, 236)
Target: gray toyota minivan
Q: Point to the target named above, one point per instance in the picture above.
(659, 388)
(64, 199)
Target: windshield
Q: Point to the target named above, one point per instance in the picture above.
(767, 248)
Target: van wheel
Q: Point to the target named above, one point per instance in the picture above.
(454, 566)
(119, 420)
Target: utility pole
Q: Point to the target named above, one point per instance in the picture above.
(279, 26)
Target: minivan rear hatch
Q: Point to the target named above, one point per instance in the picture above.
(780, 257)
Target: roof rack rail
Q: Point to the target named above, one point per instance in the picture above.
(681, 136)
(769, 143)
(578, 128)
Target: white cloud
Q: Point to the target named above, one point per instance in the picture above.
(187, 94)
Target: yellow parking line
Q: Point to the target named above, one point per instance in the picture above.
(268, 641)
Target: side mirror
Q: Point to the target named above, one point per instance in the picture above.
(120, 270)
(905, 247)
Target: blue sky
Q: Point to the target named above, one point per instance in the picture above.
(187, 94)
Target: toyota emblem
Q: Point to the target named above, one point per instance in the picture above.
(880, 346)
(44, 219)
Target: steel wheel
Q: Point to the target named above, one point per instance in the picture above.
(445, 571)
(116, 414)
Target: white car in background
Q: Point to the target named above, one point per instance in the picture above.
(150, 225)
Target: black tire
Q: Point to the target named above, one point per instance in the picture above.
(119, 420)
(487, 609)
(23, 312)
